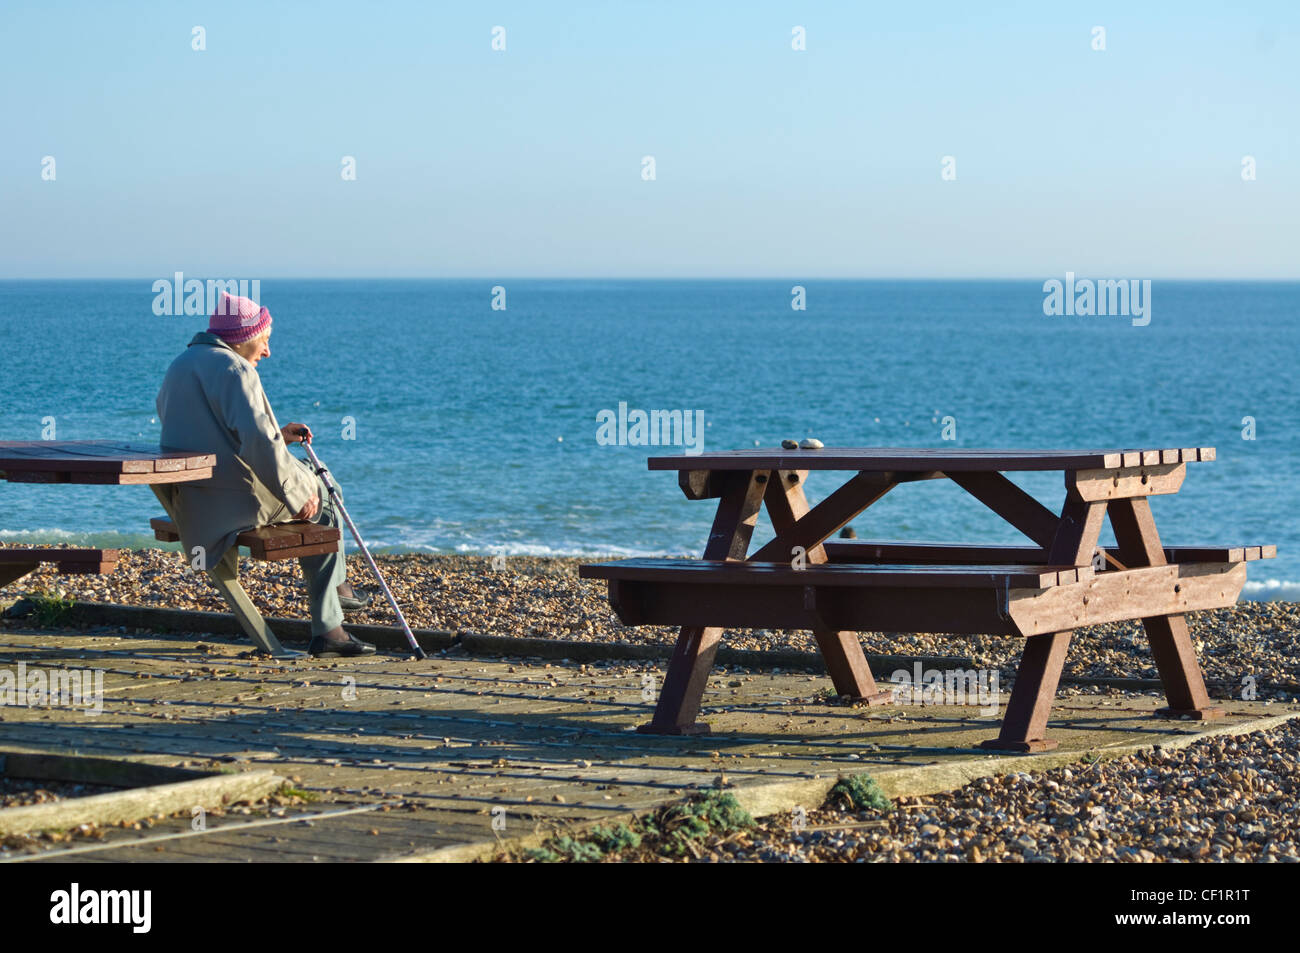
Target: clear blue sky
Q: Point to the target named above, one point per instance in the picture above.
(769, 162)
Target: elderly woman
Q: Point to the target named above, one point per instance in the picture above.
(212, 400)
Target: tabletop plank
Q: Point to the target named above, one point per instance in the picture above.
(923, 459)
(957, 576)
(99, 461)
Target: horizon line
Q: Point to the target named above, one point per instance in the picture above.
(1024, 278)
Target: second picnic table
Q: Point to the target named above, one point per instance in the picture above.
(803, 580)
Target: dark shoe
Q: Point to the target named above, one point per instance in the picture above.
(338, 644)
(351, 599)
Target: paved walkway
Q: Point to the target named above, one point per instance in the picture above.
(455, 738)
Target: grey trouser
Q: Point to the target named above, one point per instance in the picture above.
(324, 574)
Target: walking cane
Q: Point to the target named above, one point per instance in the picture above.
(334, 495)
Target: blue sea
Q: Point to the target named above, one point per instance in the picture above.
(473, 429)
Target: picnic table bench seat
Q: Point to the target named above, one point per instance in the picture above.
(23, 559)
(971, 599)
(291, 540)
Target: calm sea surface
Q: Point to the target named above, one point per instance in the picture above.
(476, 429)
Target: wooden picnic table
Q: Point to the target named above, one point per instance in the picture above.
(116, 462)
(86, 462)
(803, 580)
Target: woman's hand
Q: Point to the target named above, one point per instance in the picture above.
(310, 510)
(290, 433)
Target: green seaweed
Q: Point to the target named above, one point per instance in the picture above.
(288, 790)
(565, 849)
(588, 847)
(860, 792)
(48, 608)
(828, 696)
(694, 820)
(672, 831)
(618, 837)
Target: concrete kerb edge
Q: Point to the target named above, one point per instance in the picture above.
(135, 803)
(778, 797)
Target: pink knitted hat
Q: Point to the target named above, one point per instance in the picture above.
(238, 319)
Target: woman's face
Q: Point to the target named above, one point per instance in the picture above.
(256, 349)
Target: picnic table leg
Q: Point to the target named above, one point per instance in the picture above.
(1024, 724)
(683, 691)
(1171, 643)
(848, 668)
(692, 660)
(841, 651)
